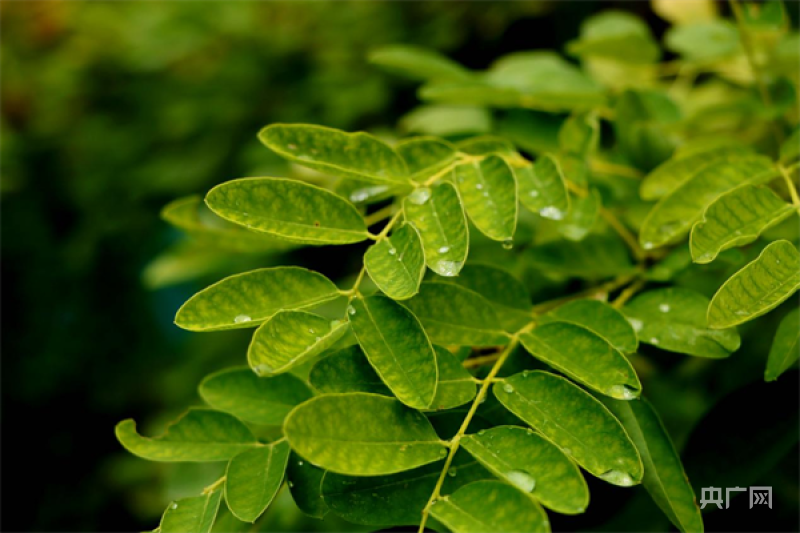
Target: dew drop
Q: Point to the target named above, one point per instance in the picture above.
(448, 268)
(486, 194)
(508, 244)
(664, 308)
(479, 186)
(292, 147)
(443, 452)
(444, 249)
(174, 506)
(262, 369)
(482, 432)
(239, 319)
(551, 212)
(335, 323)
(648, 246)
(616, 477)
(420, 196)
(451, 471)
(522, 480)
(351, 310)
(311, 330)
(299, 463)
(317, 339)
(507, 387)
(533, 194)
(359, 196)
(622, 392)
(636, 324)
(392, 251)
(291, 485)
(567, 451)
(654, 341)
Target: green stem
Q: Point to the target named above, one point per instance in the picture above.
(790, 185)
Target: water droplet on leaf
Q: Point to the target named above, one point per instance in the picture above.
(419, 196)
(522, 480)
(241, 319)
(351, 310)
(616, 477)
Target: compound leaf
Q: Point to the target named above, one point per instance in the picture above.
(397, 264)
(489, 193)
(253, 479)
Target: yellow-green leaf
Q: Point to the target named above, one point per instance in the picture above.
(616, 35)
(290, 209)
(439, 217)
(489, 193)
(758, 287)
(574, 421)
(246, 300)
(253, 479)
(417, 62)
(362, 434)
(542, 188)
(532, 464)
(397, 264)
(425, 156)
(585, 357)
(600, 318)
(785, 346)
(397, 348)
(735, 219)
(346, 155)
(291, 338)
(199, 435)
(582, 217)
(191, 515)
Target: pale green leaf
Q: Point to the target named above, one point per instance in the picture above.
(674, 319)
(362, 434)
(735, 219)
(240, 392)
(452, 314)
(246, 300)
(290, 209)
(685, 164)
(191, 515)
(673, 216)
(397, 264)
(758, 287)
(616, 35)
(199, 435)
(487, 145)
(396, 499)
(439, 217)
(447, 120)
(417, 63)
(575, 422)
(785, 346)
(664, 476)
(305, 484)
(582, 217)
(253, 479)
(585, 357)
(532, 464)
(704, 41)
(346, 155)
(600, 318)
(397, 348)
(542, 188)
(425, 156)
(291, 338)
(489, 194)
(489, 505)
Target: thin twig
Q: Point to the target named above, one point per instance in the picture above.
(628, 293)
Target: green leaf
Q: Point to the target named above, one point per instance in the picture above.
(582, 217)
(240, 392)
(447, 120)
(437, 214)
(533, 465)
(345, 155)
(199, 435)
(452, 314)
(489, 193)
(417, 63)
(291, 338)
(293, 210)
(466, 510)
(396, 499)
(758, 287)
(456, 385)
(498, 286)
(253, 479)
(425, 156)
(664, 477)
(305, 484)
(704, 41)
(785, 346)
(347, 370)
(686, 164)
(542, 188)
(616, 35)
(673, 216)
(674, 319)
(790, 149)
(191, 515)
(487, 145)
(601, 319)
(397, 348)
(595, 257)
(246, 300)
(397, 264)
(575, 422)
(644, 122)
(735, 219)
(362, 434)
(579, 134)
(585, 357)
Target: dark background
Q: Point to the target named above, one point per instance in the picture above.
(111, 110)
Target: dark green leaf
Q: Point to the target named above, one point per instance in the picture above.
(785, 346)
(600, 318)
(191, 515)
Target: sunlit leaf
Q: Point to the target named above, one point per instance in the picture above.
(289, 209)
(532, 464)
(424, 156)
(362, 434)
(489, 194)
(437, 214)
(246, 300)
(199, 435)
(253, 479)
(758, 287)
(542, 188)
(397, 264)
(575, 422)
(346, 155)
(674, 319)
(191, 515)
(240, 392)
(704, 41)
(397, 348)
(600, 318)
(616, 35)
(447, 120)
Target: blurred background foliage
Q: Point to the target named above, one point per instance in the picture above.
(112, 110)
